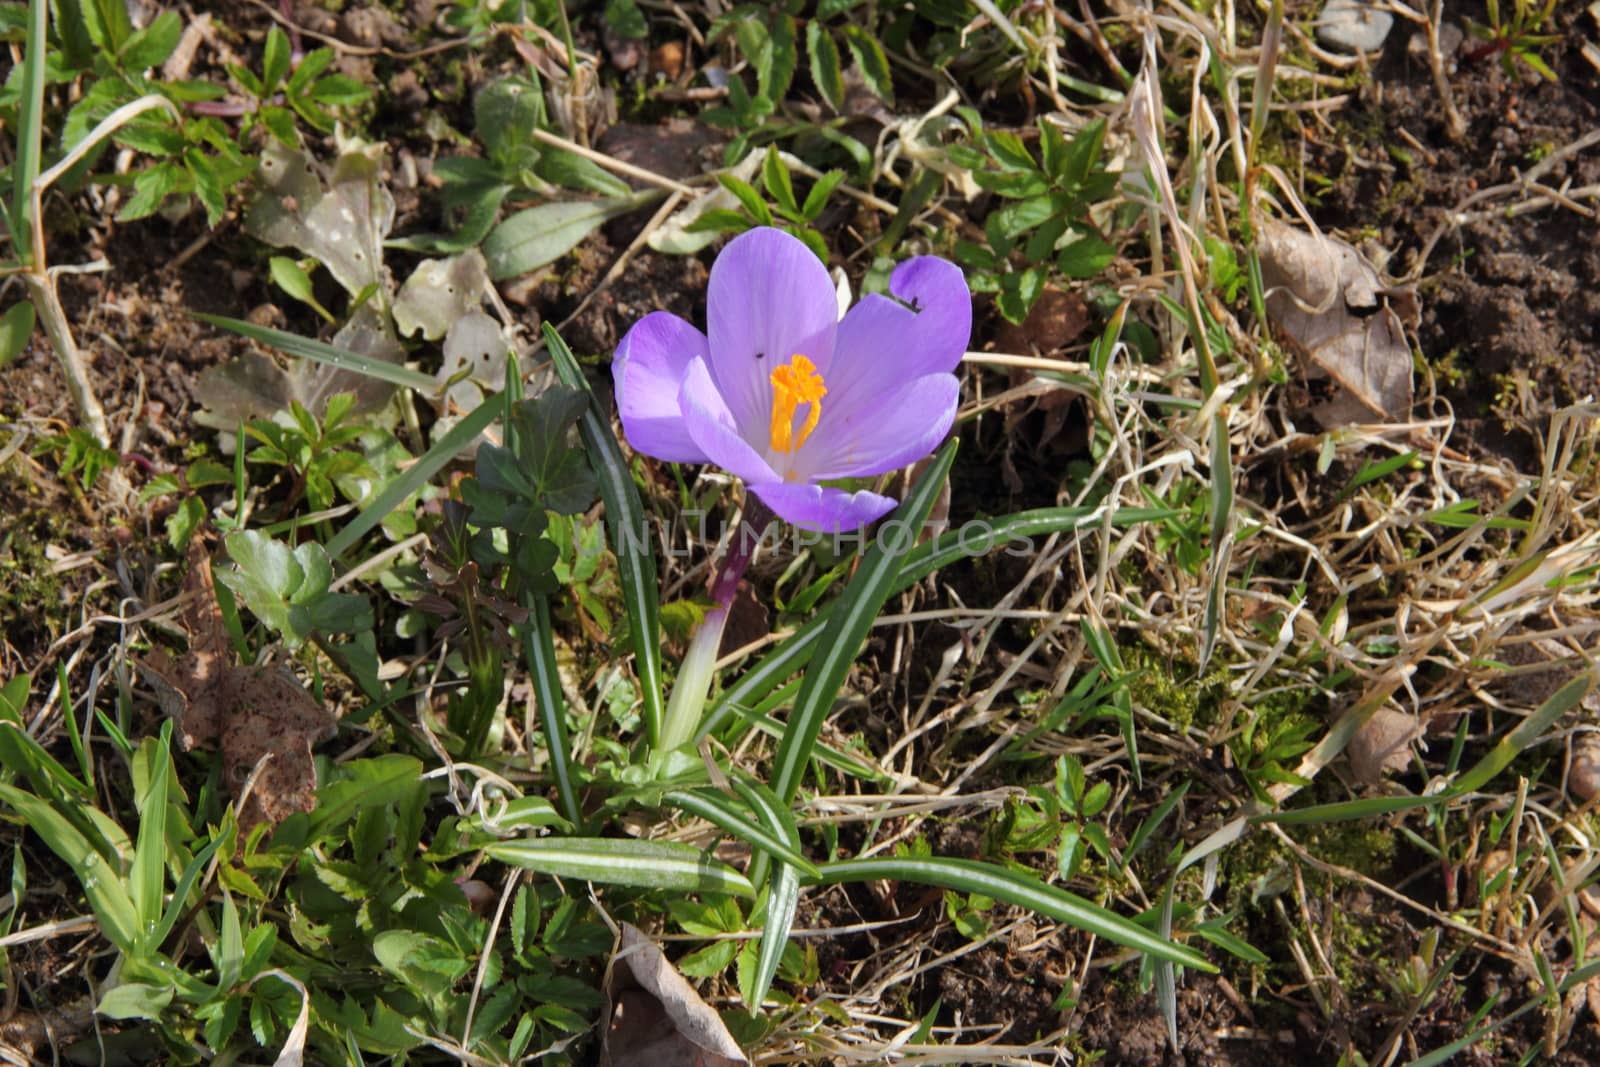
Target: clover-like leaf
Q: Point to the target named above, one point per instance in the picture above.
(288, 588)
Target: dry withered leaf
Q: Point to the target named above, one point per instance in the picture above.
(475, 352)
(439, 292)
(1383, 744)
(1332, 307)
(248, 713)
(254, 386)
(656, 1019)
(340, 221)
(1056, 319)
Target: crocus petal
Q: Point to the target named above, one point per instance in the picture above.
(883, 343)
(649, 369)
(867, 435)
(712, 427)
(822, 509)
(770, 297)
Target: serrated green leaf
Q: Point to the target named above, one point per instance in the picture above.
(871, 62)
(827, 73)
(537, 471)
(748, 198)
(1085, 258)
(817, 198)
(274, 61)
(780, 186)
(151, 46)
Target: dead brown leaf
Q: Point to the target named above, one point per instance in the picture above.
(656, 1019)
(1383, 744)
(1056, 319)
(248, 713)
(1334, 309)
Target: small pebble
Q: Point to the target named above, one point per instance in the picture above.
(1583, 776)
(1353, 25)
(1450, 38)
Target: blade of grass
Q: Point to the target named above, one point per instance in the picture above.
(624, 861)
(1221, 536)
(1529, 731)
(180, 895)
(1000, 883)
(1104, 649)
(322, 352)
(848, 623)
(1350, 810)
(630, 540)
(147, 875)
(80, 751)
(24, 757)
(417, 475)
(102, 884)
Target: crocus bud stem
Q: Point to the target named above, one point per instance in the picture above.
(693, 685)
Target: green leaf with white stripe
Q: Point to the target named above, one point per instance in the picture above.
(1000, 883)
(624, 861)
(727, 816)
(630, 538)
(796, 651)
(848, 624)
(783, 891)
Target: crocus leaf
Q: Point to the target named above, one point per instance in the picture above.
(847, 627)
(630, 540)
(624, 861)
(1025, 891)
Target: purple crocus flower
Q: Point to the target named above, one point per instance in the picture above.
(784, 393)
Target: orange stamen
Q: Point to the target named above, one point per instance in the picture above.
(794, 383)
